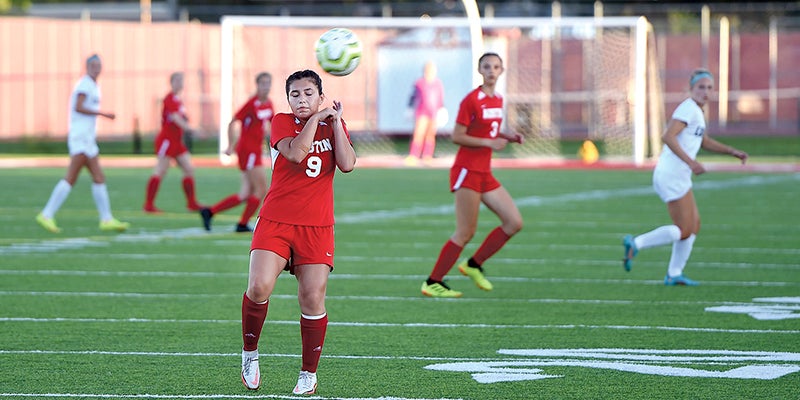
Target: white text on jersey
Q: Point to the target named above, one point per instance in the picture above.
(320, 146)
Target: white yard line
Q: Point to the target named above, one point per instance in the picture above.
(390, 277)
(413, 325)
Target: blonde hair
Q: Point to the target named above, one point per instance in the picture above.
(698, 74)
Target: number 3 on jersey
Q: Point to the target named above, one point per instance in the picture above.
(495, 129)
(314, 164)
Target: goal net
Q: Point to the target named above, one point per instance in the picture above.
(566, 79)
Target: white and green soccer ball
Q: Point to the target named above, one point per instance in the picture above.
(338, 51)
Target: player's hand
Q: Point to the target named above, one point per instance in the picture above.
(498, 143)
(697, 168)
(740, 155)
(514, 137)
(326, 113)
(229, 150)
(110, 116)
(337, 106)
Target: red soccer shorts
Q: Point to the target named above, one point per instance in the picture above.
(169, 148)
(249, 159)
(480, 182)
(302, 244)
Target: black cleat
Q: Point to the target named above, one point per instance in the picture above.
(206, 214)
(243, 228)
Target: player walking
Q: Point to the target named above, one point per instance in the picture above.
(169, 145)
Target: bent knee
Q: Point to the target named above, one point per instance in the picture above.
(513, 227)
(686, 232)
(462, 238)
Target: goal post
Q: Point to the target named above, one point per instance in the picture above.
(570, 78)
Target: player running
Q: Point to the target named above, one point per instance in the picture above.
(477, 132)
(84, 107)
(672, 181)
(254, 121)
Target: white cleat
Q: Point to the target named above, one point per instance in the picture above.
(306, 383)
(251, 375)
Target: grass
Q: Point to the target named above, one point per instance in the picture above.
(154, 312)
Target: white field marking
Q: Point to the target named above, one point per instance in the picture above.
(571, 247)
(764, 308)
(196, 396)
(425, 260)
(392, 299)
(101, 241)
(758, 364)
(689, 356)
(392, 277)
(413, 325)
(536, 201)
(385, 215)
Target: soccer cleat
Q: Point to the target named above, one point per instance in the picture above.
(679, 280)
(630, 252)
(411, 161)
(48, 223)
(243, 228)
(251, 375)
(306, 383)
(114, 225)
(439, 289)
(476, 274)
(151, 209)
(206, 214)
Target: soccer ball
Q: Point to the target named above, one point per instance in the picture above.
(338, 51)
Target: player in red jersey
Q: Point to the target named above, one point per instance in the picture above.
(477, 132)
(169, 145)
(294, 229)
(254, 120)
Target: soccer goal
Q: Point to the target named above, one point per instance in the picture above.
(566, 78)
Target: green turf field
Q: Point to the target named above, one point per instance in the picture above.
(155, 312)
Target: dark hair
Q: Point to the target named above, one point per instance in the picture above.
(490, 54)
(304, 74)
(263, 75)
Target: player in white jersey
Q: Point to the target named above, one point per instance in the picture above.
(84, 107)
(672, 180)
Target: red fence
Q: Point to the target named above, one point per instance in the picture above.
(41, 60)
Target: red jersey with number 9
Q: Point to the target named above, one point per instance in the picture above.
(302, 193)
(482, 115)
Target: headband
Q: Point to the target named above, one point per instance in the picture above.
(699, 76)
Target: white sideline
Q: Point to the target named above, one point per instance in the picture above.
(197, 396)
(384, 215)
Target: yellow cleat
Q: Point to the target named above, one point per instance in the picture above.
(476, 274)
(48, 223)
(411, 161)
(114, 225)
(439, 289)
